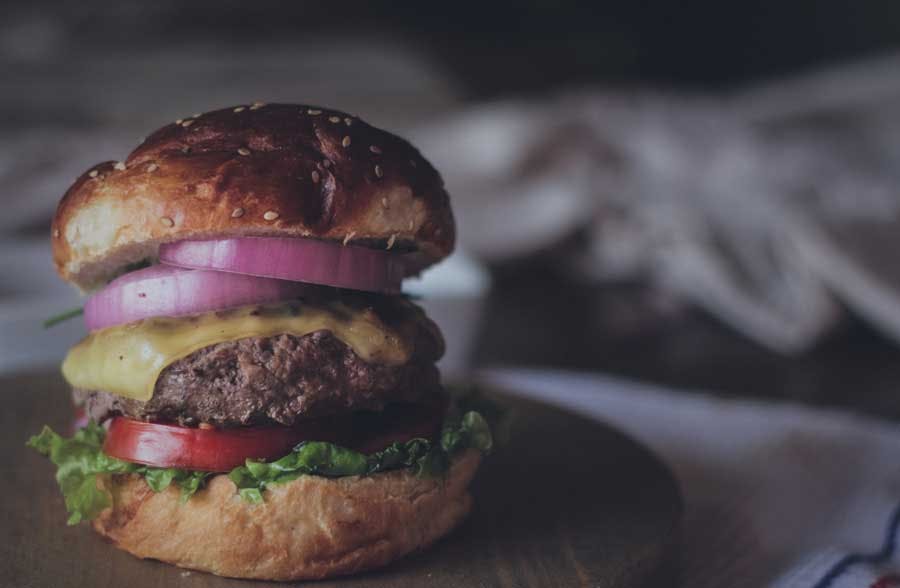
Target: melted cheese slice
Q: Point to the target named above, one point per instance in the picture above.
(127, 359)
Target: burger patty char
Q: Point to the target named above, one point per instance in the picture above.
(265, 380)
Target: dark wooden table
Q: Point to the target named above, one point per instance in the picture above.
(564, 502)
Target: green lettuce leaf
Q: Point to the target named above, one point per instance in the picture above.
(319, 458)
(80, 460)
(472, 430)
(161, 478)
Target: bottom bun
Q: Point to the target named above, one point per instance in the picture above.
(310, 528)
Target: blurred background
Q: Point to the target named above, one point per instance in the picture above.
(698, 194)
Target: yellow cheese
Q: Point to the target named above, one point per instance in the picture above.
(127, 359)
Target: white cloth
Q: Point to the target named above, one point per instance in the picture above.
(775, 495)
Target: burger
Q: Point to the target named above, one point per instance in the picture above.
(262, 400)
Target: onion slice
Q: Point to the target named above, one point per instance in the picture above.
(298, 260)
(162, 290)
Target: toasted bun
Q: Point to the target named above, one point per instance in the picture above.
(277, 170)
(310, 528)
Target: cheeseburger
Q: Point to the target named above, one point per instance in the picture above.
(261, 399)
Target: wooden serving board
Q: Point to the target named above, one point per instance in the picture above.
(564, 502)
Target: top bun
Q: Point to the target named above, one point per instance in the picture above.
(273, 170)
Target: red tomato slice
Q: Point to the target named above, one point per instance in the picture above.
(212, 450)
(220, 450)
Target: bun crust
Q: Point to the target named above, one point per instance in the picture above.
(310, 528)
(277, 170)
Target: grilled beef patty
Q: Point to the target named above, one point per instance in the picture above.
(267, 380)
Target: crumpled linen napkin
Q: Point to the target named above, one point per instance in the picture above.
(775, 495)
(765, 208)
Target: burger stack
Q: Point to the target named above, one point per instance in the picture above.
(262, 401)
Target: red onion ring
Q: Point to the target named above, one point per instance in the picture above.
(297, 260)
(162, 290)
